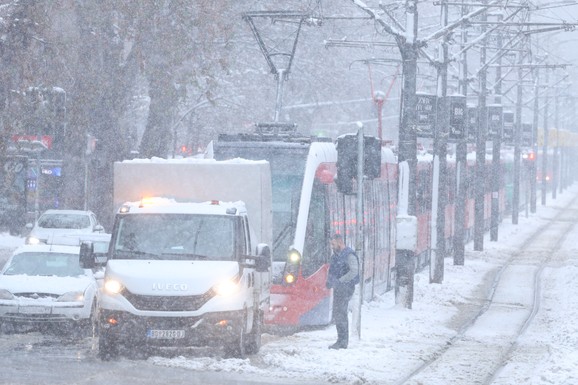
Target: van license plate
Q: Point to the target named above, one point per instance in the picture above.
(166, 334)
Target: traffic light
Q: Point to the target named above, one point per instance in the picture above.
(372, 157)
(346, 163)
(347, 160)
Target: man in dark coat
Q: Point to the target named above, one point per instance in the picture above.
(342, 277)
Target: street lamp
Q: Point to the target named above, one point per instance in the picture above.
(379, 99)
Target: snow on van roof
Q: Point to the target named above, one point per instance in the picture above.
(170, 206)
(193, 160)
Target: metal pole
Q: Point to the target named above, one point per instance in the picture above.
(496, 145)
(405, 259)
(533, 165)
(480, 182)
(555, 159)
(37, 195)
(461, 164)
(545, 144)
(517, 140)
(360, 227)
(279, 100)
(441, 138)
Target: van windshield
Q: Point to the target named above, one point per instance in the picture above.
(175, 237)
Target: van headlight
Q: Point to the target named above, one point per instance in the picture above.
(227, 287)
(112, 286)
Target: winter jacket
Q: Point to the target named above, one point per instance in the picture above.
(343, 270)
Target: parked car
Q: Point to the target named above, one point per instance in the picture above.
(45, 285)
(53, 224)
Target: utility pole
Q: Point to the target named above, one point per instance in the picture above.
(533, 169)
(408, 147)
(481, 148)
(360, 226)
(517, 141)
(462, 163)
(496, 146)
(441, 139)
(545, 143)
(555, 159)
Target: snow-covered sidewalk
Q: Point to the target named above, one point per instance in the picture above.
(394, 340)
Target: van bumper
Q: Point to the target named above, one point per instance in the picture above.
(128, 329)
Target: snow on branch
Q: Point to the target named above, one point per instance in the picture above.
(377, 17)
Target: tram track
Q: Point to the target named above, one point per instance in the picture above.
(484, 339)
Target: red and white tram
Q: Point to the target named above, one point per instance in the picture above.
(307, 209)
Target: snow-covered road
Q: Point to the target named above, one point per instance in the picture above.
(509, 316)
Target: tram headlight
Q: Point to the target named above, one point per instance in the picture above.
(289, 278)
(294, 257)
(292, 267)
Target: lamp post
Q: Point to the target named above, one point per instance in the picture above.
(379, 100)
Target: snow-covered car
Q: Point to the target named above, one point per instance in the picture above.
(53, 224)
(44, 284)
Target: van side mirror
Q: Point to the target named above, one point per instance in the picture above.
(87, 260)
(263, 260)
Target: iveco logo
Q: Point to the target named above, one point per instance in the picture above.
(170, 286)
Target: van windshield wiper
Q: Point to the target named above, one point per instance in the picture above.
(186, 256)
(135, 254)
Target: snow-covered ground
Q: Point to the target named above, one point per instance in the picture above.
(395, 341)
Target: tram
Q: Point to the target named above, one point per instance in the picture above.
(307, 209)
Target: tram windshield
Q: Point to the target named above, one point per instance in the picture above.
(287, 169)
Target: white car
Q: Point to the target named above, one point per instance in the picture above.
(44, 284)
(54, 224)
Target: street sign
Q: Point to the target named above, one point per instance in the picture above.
(457, 117)
(508, 135)
(527, 135)
(425, 115)
(495, 121)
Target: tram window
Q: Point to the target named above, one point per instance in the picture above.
(315, 249)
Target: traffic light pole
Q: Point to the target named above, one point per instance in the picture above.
(360, 227)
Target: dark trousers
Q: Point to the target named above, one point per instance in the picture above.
(341, 297)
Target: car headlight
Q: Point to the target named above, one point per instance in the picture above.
(112, 286)
(227, 287)
(33, 241)
(71, 296)
(5, 294)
